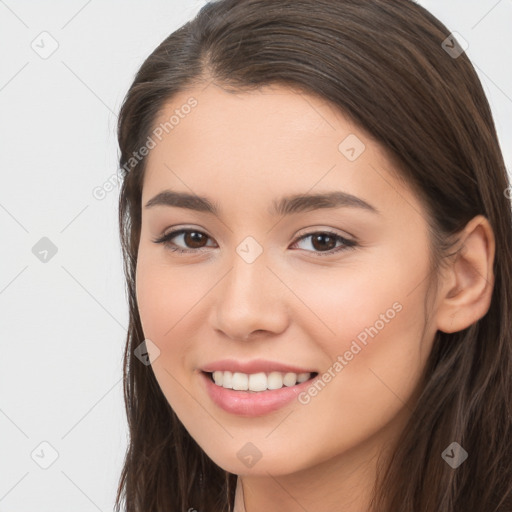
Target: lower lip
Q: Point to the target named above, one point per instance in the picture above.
(248, 403)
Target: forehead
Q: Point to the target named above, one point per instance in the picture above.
(272, 141)
(270, 125)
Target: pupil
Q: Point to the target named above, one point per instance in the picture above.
(319, 237)
(195, 238)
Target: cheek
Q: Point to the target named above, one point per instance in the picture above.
(361, 304)
(163, 301)
(166, 299)
(164, 296)
(371, 328)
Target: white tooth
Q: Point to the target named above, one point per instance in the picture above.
(274, 380)
(258, 382)
(227, 380)
(240, 381)
(302, 377)
(217, 377)
(290, 379)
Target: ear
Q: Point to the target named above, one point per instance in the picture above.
(466, 293)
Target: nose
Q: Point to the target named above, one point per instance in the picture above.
(250, 301)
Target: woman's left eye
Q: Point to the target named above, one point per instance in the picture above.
(319, 240)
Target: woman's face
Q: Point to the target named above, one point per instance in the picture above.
(264, 289)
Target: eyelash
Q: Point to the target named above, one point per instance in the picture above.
(347, 244)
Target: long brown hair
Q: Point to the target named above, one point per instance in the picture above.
(392, 68)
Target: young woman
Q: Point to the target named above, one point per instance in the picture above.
(318, 251)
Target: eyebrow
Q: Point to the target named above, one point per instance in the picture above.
(287, 205)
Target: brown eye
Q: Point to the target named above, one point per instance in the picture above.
(194, 239)
(323, 242)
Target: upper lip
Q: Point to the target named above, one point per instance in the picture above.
(253, 366)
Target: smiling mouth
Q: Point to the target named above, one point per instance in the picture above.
(258, 382)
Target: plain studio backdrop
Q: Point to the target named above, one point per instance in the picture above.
(66, 66)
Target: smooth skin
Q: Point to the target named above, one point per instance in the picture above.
(295, 303)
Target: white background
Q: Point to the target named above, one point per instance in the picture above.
(63, 322)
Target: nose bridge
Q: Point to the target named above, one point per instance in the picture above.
(248, 299)
(246, 284)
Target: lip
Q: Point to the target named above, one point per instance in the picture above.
(249, 403)
(254, 366)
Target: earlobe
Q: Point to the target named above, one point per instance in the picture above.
(469, 281)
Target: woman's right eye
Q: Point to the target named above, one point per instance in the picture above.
(190, 237)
